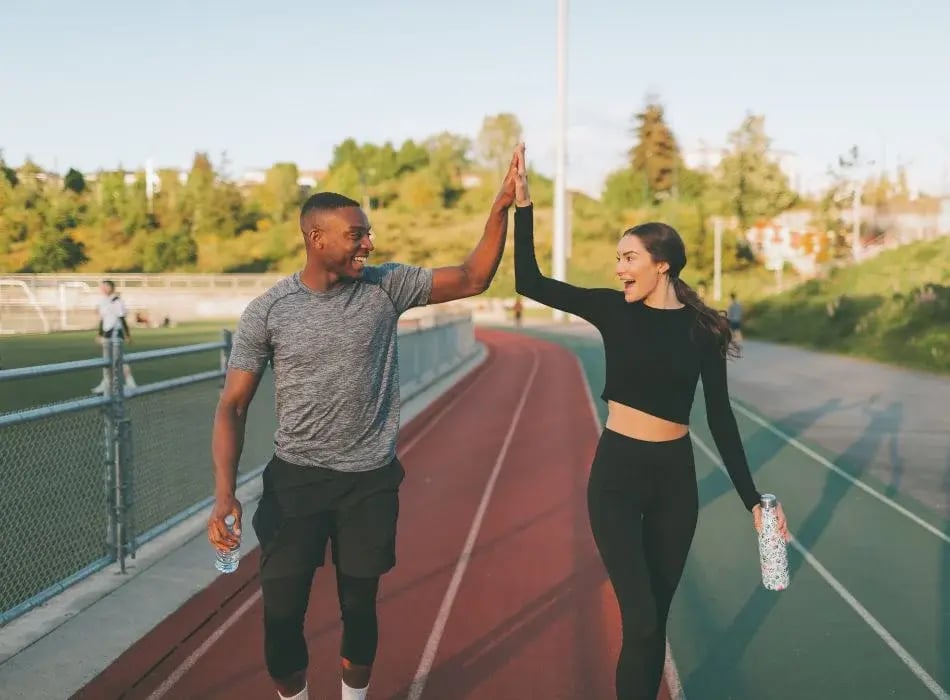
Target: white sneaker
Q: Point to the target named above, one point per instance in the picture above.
(100, 388)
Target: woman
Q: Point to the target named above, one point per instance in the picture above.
(659, 339)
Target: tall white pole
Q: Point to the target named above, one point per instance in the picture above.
(149, 183)
(559, 264)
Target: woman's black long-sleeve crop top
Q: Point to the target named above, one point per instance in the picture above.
(655, 357)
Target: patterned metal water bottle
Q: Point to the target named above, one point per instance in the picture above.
(773, 551)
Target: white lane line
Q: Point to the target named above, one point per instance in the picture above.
(846, 595)
(670, 673)
(435, 636)
(840, 472)
(196, 655)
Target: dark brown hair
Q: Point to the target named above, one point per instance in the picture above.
(665, 245)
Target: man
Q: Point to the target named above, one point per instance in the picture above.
(734, 316)
(330, 333)
(112, 323)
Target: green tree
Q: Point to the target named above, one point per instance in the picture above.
(64, 211)
(211, 206)
(411, 157)
(134, 211)
(625, 189)
(347, 152)
(344, 179)
(380, 163)
(692, 185)
(74, 181)
(497, 139)
(199, 188)
(751, 184)
(169, 203)
(421, 190)
(448, 155)
(9, 174)
(655, 154)
(448, 160)
(110, 194)
(55, 251)
(280, 195)
(168, 250)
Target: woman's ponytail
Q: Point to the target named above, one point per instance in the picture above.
(710, 319)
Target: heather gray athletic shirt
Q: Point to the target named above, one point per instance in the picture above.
(335, 364)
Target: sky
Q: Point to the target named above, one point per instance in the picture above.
(108, 83)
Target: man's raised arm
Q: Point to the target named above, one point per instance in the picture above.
(475, 274)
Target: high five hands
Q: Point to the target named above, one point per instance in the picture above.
(514, 188)
(522, 195)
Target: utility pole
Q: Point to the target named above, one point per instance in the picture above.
(149, 183)
(559, 248)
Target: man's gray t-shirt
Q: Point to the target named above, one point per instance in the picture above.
(335, 364)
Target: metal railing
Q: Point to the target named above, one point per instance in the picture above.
(87, 482)
(164, 280)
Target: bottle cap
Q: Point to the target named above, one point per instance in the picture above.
(229, 520)
(768, 500)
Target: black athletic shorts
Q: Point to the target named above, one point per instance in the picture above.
(303, 508)
(735, 325)
(120, 331)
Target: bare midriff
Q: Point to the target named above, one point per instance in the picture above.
(642, 426)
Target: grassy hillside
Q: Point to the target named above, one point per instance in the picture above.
(894, 308)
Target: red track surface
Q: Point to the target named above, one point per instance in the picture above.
(534, 616)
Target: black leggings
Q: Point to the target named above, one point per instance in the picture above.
(643, 506)
(285, 606)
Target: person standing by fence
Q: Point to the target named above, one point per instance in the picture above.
(112, 324)
(330, 331)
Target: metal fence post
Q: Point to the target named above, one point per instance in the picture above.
(108, 444)
(120, 429)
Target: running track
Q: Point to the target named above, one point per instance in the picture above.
(498, 592)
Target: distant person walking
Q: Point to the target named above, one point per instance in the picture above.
(518, 310)
(734, 316)
(112, 324)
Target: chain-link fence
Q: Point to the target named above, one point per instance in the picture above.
(172, 436)
(84, 483)
(52, 520)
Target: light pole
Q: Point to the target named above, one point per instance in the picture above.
(559, 247)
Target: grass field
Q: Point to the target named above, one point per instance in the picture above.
(43, 348)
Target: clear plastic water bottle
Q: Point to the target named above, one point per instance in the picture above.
(773, 550)
(226, 561)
